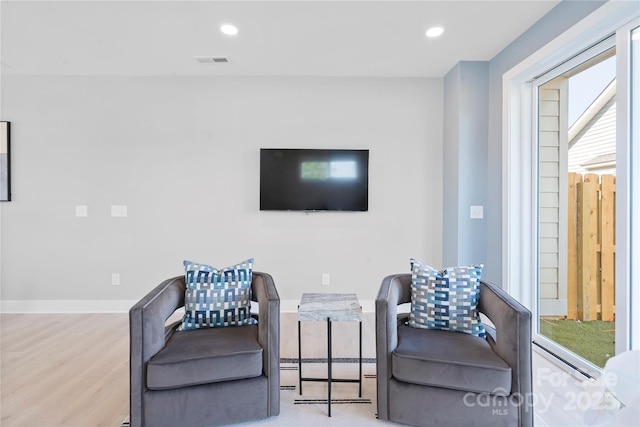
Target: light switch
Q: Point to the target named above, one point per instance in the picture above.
(119, 210)
(82, 211)
(477, 212)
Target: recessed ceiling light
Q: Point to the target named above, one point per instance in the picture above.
(435, 31)
(228, 29)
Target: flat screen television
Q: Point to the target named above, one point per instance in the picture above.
(314, 180)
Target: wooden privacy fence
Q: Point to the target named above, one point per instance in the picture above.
(591, 248)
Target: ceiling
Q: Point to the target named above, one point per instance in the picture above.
(276, 38)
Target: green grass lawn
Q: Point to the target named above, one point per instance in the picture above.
(593, 340)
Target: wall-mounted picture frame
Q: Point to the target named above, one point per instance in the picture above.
(5, 161)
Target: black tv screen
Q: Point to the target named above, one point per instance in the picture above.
(314, 180)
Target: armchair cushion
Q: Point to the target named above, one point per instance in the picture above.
(215, 298)
(446, 300)
(450, 360)
(206, 356)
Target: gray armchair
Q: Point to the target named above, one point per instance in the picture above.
(203, 377)
(442, 378)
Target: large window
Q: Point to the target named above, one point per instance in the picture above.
(572, 157)
(576, 181)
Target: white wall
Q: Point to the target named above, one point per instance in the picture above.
(183, 155)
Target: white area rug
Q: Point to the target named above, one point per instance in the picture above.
(310, 408)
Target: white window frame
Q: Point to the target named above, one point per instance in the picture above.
(519, 148)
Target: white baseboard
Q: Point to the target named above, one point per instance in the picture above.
(115, 306)
(66, 306)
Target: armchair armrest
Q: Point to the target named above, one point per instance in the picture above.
(265, 293)
(147, 335)
(513, 335)
(395, 290)
(147, 318)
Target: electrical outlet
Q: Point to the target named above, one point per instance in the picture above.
(115, 279)
(326, 279)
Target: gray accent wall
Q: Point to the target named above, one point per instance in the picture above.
(465, 163)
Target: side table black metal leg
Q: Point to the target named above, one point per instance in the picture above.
(329, 361)
(360, 372)
(299, 360)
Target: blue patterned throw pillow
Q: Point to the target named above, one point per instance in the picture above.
(215, 298)
(446, 300)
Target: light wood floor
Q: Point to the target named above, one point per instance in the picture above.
(71, 370)
(64, 370)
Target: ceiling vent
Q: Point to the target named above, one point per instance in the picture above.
(211, 59)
